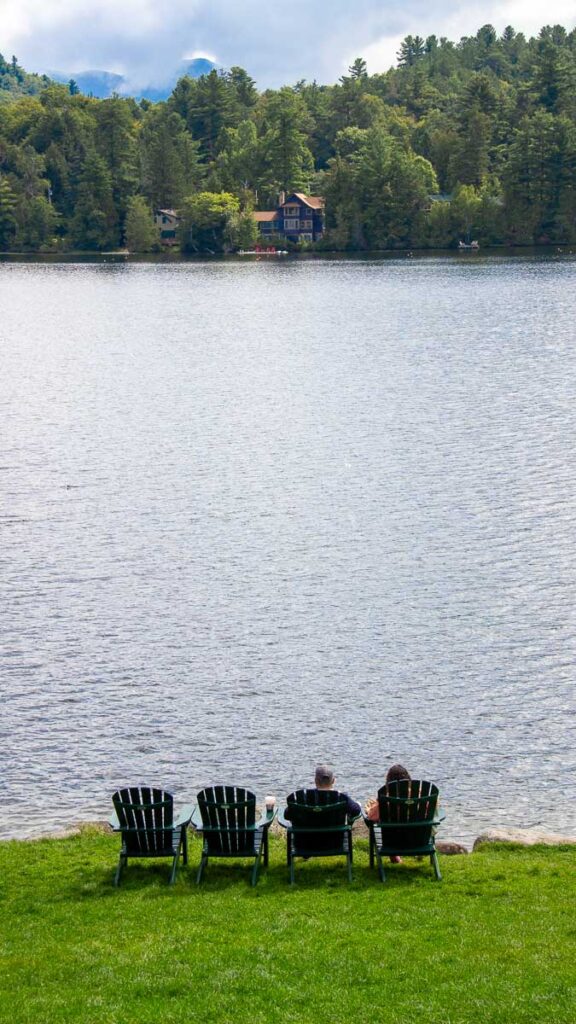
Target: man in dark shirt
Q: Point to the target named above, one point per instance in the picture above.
(324, 779)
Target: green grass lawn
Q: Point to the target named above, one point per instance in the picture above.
(493, 942)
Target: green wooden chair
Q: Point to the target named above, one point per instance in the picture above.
(408, 819)
(226, 817)
(145, 819)
(317, 825)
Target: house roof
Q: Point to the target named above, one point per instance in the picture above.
(265, 215)
(315, 202)
(167, 213)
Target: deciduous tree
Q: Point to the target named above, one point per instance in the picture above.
(207, 222)
(140, 231)
(7, 218)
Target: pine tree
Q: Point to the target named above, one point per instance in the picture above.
(244, 95)
(539, 180)
(239, 161)
(95, 223)
(116, 143)
(288, 159)
(554, 79)
(412, 49)
(470, 159)
(358, 69)
(170, 165)
(210, 109)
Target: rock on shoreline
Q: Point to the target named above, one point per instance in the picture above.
(523, 837)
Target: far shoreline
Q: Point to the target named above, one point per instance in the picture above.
(170, 258)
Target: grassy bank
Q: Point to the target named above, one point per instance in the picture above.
(494, 942)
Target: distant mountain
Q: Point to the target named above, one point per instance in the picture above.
(191, 69)
(195, 68)
(100, 84)
(103, 84)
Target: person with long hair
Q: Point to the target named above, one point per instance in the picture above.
(397, 773)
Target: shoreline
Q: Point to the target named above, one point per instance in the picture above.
(445, 846)
(124, 256)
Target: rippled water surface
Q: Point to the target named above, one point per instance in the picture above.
(258, 515)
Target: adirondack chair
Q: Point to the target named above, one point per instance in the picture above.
(226, 816)
(145, 819)
(318, 826)
(407, 824)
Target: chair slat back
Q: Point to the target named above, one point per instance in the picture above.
(146, 818)
(229, 811)
(408, 802)
(316, 816)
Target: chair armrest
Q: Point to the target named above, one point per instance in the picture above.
(113, 822)
(316, 829)
(266, 819)
(283, 821)
(407, 824)
(196, 818)
(185, 816)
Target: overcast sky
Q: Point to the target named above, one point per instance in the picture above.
(277, 43)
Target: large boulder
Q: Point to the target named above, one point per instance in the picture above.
(523, 837)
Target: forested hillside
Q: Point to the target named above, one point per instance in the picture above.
(475, 139)
(15, 82)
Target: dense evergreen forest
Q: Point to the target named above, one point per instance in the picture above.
(475, 139)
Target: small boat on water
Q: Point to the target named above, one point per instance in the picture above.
(268, 251)
(469, 245)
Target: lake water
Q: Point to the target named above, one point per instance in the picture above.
(257, 515)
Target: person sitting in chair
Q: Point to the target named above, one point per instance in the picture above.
(324, 778)
(397, 773)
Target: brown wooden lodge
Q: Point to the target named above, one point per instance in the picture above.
(297, 218)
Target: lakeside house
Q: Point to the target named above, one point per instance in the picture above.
(167, 222)
(297, 218)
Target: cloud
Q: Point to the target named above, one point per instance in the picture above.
(276, 43)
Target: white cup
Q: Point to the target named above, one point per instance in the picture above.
(270, 802)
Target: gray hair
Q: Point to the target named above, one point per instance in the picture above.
(324, 775)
